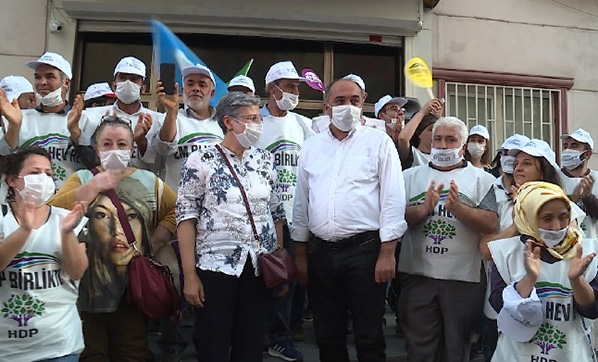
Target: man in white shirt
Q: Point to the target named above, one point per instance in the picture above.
(46, 125)
(185, 130)
(129, 77)
(578, 180)
(284, 133)
(450, 204)
(350, 196)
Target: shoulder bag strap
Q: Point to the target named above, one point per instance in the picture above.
(245, 201)
(122, 215)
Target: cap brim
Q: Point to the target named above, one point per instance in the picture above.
(33, 64)
(514, 329)
(400, 100)
(530, 151)
(486, 137)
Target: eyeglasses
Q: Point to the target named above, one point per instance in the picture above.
(252, 119)
(395, 108)
(114, 119)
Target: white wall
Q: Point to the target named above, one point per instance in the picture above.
(536, 37)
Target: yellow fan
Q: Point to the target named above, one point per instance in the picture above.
(418, 73)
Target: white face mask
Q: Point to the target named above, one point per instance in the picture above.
(507, 163)
(128, 92)
(392, 123)
(116, 160)
(571, 159)
(38, 189)
(346, 117)
(288, 101)
(52, 99)
(476, 150)
(445, 158)
(552, 238)
(251, 134)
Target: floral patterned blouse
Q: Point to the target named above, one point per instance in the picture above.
(208, 192)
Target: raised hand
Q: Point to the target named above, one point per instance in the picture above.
(73, 118)
(532, 260)
(434, 106)
(10, 109)
(579, 264)
(26, 215)
(107, 180)
(452, 199)
(432, 195)
(73, 218)
(143, 125)
(168, 101)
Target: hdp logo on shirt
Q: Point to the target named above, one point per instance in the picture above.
(549, 337)
(22, 307)
(439, 230)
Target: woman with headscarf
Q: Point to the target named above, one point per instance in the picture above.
(544, 281)
(113, 328)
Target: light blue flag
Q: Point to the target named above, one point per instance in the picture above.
(168, 48)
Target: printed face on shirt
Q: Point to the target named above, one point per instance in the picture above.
(48, 79)
(526, 168)
(106, 229)
(554, 215)
(447, 138)
(198, 90)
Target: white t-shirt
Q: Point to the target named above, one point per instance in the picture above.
(283, 137)
(589, 224)
(50, 131)
(192, 134)
(441, 246)
(38, 300)
(419, 158)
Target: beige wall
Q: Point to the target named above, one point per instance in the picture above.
(529, 37)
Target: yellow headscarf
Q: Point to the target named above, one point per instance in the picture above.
(531, 196)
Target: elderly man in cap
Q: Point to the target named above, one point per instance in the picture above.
(99, 95)
(578, 180)
(284, 133)
(241, 83)
(190, 128)
(128, 85)
(46, 125)
(347, 217)
(19, 88)
(450, 204)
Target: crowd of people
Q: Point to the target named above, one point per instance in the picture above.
(469, 240)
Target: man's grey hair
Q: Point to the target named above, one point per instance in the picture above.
(230, 104)
(327, 94)
(452, 122)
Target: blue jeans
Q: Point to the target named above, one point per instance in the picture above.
(69, 358)
(342, 279)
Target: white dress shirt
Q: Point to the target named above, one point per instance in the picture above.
(348, 187)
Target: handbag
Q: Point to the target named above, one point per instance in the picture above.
(277, 268)
(151, 285)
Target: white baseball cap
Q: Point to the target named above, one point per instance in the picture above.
(130, 65)
(14, 86)
(242, 81)
(52, 59)
(580, 135)
(98, 90)
(198, 69)
(388, 99)
(355, 79)
(520, 319)
(282, 70)
(480, 131)
(537, 148)
(516, 140)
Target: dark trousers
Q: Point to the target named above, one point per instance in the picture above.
(230, 326)
(120, 336)
(342, 279)
(439, 317)
(280, 320)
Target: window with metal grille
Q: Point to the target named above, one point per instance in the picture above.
(506, 110)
